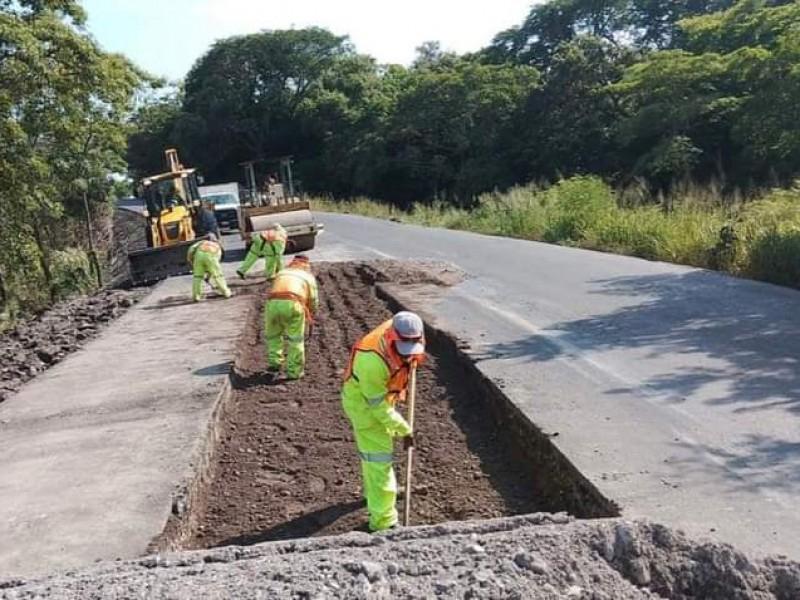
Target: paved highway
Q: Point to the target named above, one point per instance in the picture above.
(676, 391)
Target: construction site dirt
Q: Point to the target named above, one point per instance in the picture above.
(285, 464)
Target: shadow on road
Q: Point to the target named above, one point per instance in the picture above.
(742, 337)
(305, 525)
(222, 368)
(747, 327)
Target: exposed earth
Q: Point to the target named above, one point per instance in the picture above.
(37, 344)
(286, 465)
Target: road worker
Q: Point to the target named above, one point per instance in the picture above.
(292, 302)
(375, 379)
(204, 256)
(269, 245)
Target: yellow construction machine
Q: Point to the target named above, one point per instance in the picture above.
(171, 202)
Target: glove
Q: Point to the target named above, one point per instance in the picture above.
(408, 441)
(240, 274)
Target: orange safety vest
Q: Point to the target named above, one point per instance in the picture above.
(288, 286)
(205, 246)
(273, 235)
(381, 341)
(209, 246)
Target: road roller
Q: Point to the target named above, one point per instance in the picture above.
(278, 203)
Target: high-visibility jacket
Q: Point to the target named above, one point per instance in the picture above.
(298, 285)
(206, 246)
(380, 341)
(274, 235)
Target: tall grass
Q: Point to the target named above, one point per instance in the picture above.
(759, 238)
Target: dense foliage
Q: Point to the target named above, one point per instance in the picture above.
(632, 90)
(63, 110)
(759, 239)
(649, 95)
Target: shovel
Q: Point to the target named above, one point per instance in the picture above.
(412, 386)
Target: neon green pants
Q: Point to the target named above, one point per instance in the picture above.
(375, 446)
(206, 263)
(273, 258)
(285, 320)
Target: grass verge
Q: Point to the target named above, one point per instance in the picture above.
(759, 239)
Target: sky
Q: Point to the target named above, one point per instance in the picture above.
(165, 37)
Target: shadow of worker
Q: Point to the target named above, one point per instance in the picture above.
(303, 526)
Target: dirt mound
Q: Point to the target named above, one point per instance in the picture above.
(532, 557)
(35, 345)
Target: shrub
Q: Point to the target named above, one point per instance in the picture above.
(72, 273)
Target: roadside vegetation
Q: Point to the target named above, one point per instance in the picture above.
(609, 107)
(638, 94)
(64, 104)
(759, 239)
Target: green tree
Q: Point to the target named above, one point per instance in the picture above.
(567, 124)
(244, 96)
(63, 105)
(727, 106)
(446, 134)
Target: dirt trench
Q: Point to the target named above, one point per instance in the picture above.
(285, 464)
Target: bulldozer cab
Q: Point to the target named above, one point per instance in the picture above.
(166, 191)
(171, 201)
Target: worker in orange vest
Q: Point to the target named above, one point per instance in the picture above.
(291, 304)
(376, 378)
(270, 245)
(204, 256)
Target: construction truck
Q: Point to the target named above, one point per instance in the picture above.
(277, 201)
(171, 203)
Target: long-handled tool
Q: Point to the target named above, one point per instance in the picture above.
(412, 393)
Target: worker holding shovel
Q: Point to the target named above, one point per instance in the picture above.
(377, 377)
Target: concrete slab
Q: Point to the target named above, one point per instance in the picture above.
(92, 450)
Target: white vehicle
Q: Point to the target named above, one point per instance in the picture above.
(226, 200)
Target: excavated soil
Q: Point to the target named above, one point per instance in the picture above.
(286, 467)
(35, 345)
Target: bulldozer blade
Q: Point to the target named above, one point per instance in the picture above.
(154, 264)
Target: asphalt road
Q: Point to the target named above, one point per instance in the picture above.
(676, 391)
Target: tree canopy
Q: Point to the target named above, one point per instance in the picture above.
(645, 90)
(665, 91)
(63, 110)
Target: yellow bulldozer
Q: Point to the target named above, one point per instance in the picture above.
(172, 203)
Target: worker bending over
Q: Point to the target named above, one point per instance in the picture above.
(269, 245)
(292, 302)
(376, 378)
(204, 257)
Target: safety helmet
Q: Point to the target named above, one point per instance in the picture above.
(408, 333)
